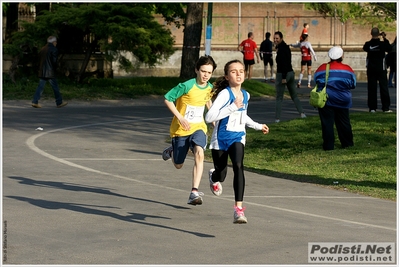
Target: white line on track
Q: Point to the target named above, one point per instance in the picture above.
(31, 144)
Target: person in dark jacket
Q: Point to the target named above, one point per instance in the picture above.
(285, 76)
(265, 53)
(391, 64)
(377, 70)
(341, 79)
(48, 57)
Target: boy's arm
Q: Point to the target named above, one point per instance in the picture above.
(171, 106)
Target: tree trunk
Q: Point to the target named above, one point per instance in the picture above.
(11, 21)
(13, 69)
(40, 7)
(86, 60)
(191, 40)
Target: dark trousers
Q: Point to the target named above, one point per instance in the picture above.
(372, 78)
(40, 89)
(220, 160)
(340, 116)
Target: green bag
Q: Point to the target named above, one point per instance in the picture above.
(318, 99)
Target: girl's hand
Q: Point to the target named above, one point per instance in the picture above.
(238, 102)
(265, 129)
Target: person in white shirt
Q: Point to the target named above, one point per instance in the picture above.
(307, 52)
(229, 115)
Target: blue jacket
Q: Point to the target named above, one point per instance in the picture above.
(341, 80)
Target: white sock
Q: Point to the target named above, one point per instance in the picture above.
(300, 77)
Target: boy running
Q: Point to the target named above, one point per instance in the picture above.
(188, 129)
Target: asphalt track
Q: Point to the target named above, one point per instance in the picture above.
(91, 188)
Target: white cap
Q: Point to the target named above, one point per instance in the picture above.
(335, 53)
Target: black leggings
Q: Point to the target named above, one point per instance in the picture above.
(236, 153)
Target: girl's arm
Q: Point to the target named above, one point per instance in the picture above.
(257, 126)
(312, 52)
(220, 107)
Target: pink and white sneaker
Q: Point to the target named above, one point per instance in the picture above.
(216, 188)
(239, 216)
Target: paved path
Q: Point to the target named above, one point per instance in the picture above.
(91, 188)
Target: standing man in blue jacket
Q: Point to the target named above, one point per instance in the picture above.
(341, 80)
(48, 57)
(377, 70)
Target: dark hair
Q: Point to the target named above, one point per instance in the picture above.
(279, 34)
(205, 60)
(221, 83)
(268, 35)
(250, 34)
(305, 24)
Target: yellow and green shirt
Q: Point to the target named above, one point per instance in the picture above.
(190, 100)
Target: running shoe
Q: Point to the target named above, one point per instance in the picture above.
(195, 198)
(167, 153)
(216, 188)
(239, 216)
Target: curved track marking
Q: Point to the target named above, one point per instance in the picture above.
(31, 144)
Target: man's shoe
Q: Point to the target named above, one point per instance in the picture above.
(298, 85)
(62, 104)
(195, 198)
(36, 105)
(372, 111)
(239, 216)
(388, 111)
(303, 115)
(216, 188)
(167, 153)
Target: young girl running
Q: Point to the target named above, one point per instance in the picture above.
(229, 112)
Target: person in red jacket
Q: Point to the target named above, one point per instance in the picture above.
(249, 48)
(304, 31)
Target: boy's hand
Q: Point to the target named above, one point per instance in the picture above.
(185, 124)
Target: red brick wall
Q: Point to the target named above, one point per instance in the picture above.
(228, 29)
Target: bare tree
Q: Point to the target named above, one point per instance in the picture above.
(191, 40)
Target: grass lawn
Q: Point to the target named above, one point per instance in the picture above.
(293, 151)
